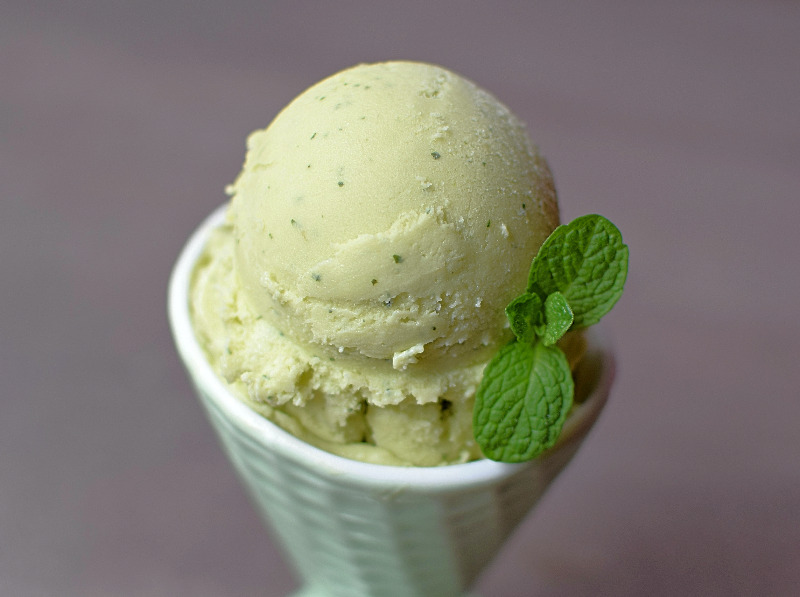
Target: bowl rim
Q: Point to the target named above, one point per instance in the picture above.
(440, 478)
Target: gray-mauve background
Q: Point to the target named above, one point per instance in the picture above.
(121, 123)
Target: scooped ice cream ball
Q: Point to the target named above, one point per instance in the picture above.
(390, 212)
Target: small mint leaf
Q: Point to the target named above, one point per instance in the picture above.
(522, 401)
(525, 314)
(558, 317)
(587, 262)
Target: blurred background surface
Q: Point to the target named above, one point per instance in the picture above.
(122, 122)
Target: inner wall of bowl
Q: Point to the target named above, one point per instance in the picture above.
(437, 479)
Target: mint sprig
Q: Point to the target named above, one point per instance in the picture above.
(527, 388)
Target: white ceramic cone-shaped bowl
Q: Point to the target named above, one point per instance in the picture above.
(354, 529)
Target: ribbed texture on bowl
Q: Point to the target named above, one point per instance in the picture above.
(363, 530)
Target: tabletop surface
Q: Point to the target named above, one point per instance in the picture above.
(122, 122)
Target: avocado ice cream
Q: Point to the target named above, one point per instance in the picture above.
(378, 228)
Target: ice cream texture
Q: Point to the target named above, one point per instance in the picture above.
(378, 228)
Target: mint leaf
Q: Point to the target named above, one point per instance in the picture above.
(558, 318)
(524, 314)
(587, 262)
(527, 388)
(522, 401)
